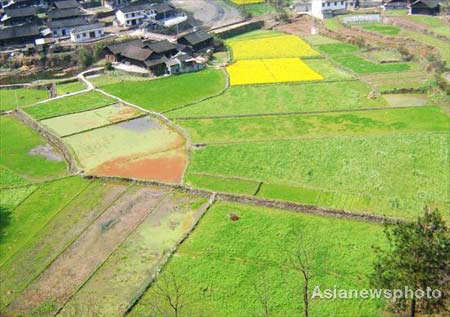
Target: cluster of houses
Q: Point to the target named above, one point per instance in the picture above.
(67, 19)
(162, 57)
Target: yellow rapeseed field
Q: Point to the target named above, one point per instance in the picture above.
(241, 2)
(271, 47)
(264, 71)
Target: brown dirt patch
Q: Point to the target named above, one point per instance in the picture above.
(165, 167)
(76, 264)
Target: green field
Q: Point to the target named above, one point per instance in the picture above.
(363, 66)
(284, 98)
(11, 198)
(440, 45)
(403, 80)
(33, 214)
(67, 88)
(328, 69)
(382, 29)
(172, 92)
(318, 39)
(403, 172)
(225, 259)
(20, 154)
(222, 184)
(68, 105)
(375, 122)
(337, 48)
(14, 98)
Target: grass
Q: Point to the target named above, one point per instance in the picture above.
(404, 80)
(337, 48)
(375, 122)
(384, 55)
(257, 9)
(221, 184)
(284, 98)
(362, 66)
(382, 29)
(130, 266)
(318, 39)
(11, 198)
(68, 105)
(333, 24)
(402, 173)
(172, 92)
(58, 234)
(70, 87)
(10, 179)
(328, 69)
(15, 98)
(17, 140)
(440, 45)
(34, 213)
(225, 259)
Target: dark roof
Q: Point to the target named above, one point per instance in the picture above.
(88, 27)
(19, 31)
(133, 8)
(66, 23)
(137, 53)
(64, 13)
(154, 62)
(162, 7)
(184, 57)
(197, 37)
(117, 48)
(20, 12)
(161, 46)
(429, 3)
(66, 4)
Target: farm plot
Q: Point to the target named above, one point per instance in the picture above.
(327, 69)
(318, 39)
(15, 98)
(32, 215)
(131, 266)
(26, 264)
(337, 48)
(25, 155)
(363, 66)
(264, 71)
(70, 87)
(277, 46)
(382, 29)
(226, 259)
(87, 120)
(46, 294)
(284, 98)
(172, 92)
(222, 184)
(143, 148)
(375, 122)
(12, 197)
(393, 81)
(68, 105)
(403, 173)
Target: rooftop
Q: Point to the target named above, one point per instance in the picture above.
(64, 13)
(19, 31)
(88, 27)
(197, 37)
(57, 24)
(66, 4)
(137, 53)
(20, 12)
(117, 48)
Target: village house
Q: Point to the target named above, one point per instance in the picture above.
(64, 4)
(112, 51)
(395, 4)
(19, 34)
(428, 7)
(88, 32)
(19, 16)
(15, 4)
(198, 40)
(113, 4)
(58, 14)
(164, 48)
(62, 28)
(327, 8)
(131, 15)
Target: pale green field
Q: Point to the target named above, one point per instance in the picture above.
(87, 120)
(130, 139)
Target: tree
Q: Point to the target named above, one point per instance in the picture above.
(417, 256)
(302, 261)
(5, 219)
(85, 57)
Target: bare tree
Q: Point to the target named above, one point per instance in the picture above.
(170, 299)
(301, 260)
(262, 291)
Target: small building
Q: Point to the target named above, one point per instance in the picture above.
(62, 28)
(64, 4)
(131, 16)
(19, 34)
(183, 63)
(19, 16)
(64, 14)
(15, 4)
(137, 56)
(395, 4)
(327, 8)
(164, 47)
(88, 32)
(112, 51)
(158, 66)
(428, 7)
(199, 40)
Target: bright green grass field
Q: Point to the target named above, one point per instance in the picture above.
(70, 87)
(14, 98)
(222, 184)
(284, 98)
(362, 66)
(68, 105)
(172, 92)
(374, 122)
(404, 172)
(337, 48)
(225, 259)
(328, 69)
(382, 29)
(32, 214)
(11, 198)
(16, 142)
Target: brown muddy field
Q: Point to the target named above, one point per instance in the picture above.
(70, 270)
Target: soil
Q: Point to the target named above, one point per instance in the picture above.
(76, 264)
(46, 151)
(166, 167)
(141, 125)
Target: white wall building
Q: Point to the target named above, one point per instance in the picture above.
(132, 15)
(87, 32)
(327, 8)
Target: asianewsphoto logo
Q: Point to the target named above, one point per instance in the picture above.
(407, 293)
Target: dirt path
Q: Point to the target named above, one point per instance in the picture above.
(211, 13)
(69, 271)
